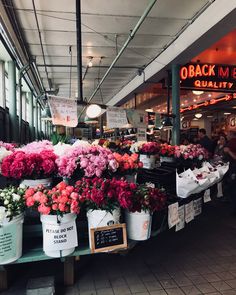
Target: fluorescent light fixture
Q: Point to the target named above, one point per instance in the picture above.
(197, 92)
(227, 113)
(149, 110)
(209, 116)
(198, 115)
(93, 111)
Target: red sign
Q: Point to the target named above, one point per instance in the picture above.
(208, 77)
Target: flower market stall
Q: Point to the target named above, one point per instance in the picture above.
(77, 189)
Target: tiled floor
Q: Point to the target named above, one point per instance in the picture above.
(201, 259)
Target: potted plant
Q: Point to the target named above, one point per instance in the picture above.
(58, 208)
(139, 209)
(11, 222)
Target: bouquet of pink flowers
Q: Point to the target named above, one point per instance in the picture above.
(191, 151)
(37, 147)
(93, 161)
(8, 146)
(149, 148)
(127, 162)
(59, 200)
(105, 194)
(20, 165)
(167, 150)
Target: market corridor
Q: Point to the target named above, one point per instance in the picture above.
(201, 259)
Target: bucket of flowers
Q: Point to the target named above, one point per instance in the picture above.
(102, 199)
(167, 153)
(33, 164)
(128, 166)
(149, 154)
(58, 208)
(140, 207)
(12, 206)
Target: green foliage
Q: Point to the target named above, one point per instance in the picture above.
(56, 138)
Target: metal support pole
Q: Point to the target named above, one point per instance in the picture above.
(31, 115)
(36, 121)
(79, 51)
(2, 84)
(176, 104)
(12, 100)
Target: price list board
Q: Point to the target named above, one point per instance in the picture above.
(108, 238)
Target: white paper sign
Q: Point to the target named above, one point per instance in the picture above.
(150, 184)
(137, 118)
(141, 134)
(173, 214)
(189, 212)
(207, 196)
(116, 117)
(197, 205)
(219, 190)
(63, 110)
(59, 237)
(180, 225)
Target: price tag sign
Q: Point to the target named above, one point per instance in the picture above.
(180, 225)
(173, 214)
(207, 196)
(8, 236)
(197, 205)
(219, 190)
(108, 238)
(189, 212)
(116, 117)
(141, 134)
(59, 237)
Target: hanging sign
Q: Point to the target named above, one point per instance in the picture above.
(180, 225)
(63, 110)
(173, 214)
(141, 134)
(137, 118)
(116, 117)
(108, 238)
(59, 237)
(189, 212)
(212, 77)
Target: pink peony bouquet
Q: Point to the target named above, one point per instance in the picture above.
(20, 165)
(37, 147)
(93, 161)
(8, 146)
(59, 200)
(149, 148)
(191, 151)
(105, 194)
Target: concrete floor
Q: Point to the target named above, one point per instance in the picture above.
(201, 259)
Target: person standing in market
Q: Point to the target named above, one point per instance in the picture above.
(205, 141)
(230, 177)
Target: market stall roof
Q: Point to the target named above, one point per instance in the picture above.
(105, 27)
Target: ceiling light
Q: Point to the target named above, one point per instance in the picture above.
(149, 110)
(93, 111)
(227, 113)
(195, 119)
(209, 116)
(198, 115)
(197, 92)
(209, 95)
(194, 100)
(182, 104)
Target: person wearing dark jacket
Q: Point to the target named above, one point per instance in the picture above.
(205, 141)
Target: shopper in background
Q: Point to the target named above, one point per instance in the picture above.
(230, 177)
(219, 153)
(205, 141)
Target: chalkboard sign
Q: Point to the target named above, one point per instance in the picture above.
(108, 238)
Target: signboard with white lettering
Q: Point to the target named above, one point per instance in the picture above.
(189, 212)
(116, 117)
(59, 237)
(137, 118)
(197, 206)
(141, 134)
(63, 110)
(173, 214)
(213, 77)
(181, 224)
(207, 196)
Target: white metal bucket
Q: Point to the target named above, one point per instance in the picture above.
(11, 233)
(57, 241)
(46, 182)
(138, 225)
(167, 159)
(149, 161)
(100, 218)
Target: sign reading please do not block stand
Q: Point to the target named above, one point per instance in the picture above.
(58, 237)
